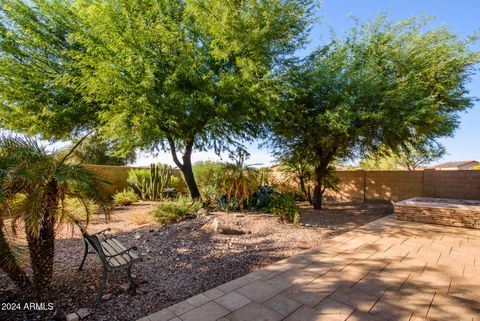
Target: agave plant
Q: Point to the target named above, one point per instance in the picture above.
(34, 185)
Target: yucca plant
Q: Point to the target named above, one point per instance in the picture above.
(33, 187)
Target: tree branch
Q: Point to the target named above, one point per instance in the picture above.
(75, 147)
(173, 150)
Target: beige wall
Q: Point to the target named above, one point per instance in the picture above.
(366, 185)
(399, 185)
(116, 175)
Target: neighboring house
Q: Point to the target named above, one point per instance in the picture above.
(455, 166)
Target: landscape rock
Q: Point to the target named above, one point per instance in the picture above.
(83, 313)
(72, 317)
(185, 259)
(224, 229)
(106, 297)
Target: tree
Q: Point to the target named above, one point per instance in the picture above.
(35, 63)
(184, 75)
(94, 150)
(34, 186)
(383, 85)
(239, 181)
(378, 162)
(304, 174)
(408, 156)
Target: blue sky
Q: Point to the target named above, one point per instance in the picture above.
(461, 16)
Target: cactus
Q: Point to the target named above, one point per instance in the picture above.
(159, 180)
(153, 185)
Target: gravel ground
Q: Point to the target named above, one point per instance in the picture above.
(183, 259)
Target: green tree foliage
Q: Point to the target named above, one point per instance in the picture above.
(304, 175)
(35, 62)
(33, 188)
(184, 75)
(407, 157)
(412, 156)
(94, 150)
(382, 85)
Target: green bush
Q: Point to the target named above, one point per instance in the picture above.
(177, 210)
(284, 206)
(208, 173)
(126, 197)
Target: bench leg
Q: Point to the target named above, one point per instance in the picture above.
(133, 288)
(84, 256)
(101, 288)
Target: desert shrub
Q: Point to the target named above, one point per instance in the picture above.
(79, 209)
(138, 179)
(139, 218)
(176, 210)
(210, 195)
(178, 183)
(125, 197)
(283, 206)
(262, 197)
(225, 204)
(207, 173)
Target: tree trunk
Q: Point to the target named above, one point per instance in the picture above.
(41, 250)
(41, 247)
(186, 166)
(305, 191)
(317, 195)
(9, 264)
(318, 189)
(190, 180)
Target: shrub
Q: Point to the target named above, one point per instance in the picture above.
(284, 206)
(207, 173)
(262, 197)
(177, 210)
(126, 197)
(210, 195)
(139, 218)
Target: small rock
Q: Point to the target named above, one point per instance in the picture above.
(238, 215)
(137, 235)
(83, 313)
(106, 296)
(308, 225)
(72, 317)
(124, 287)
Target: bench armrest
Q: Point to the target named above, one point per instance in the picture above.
(103, 232)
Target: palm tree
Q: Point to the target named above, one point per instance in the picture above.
(239, 181)
(34, 185)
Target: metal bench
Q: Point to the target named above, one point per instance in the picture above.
(113, 255)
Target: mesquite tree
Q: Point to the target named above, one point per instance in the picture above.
(184, 75)
(384, 85)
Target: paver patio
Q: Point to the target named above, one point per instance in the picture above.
(385, 270)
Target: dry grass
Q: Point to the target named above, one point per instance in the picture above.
(139, 218)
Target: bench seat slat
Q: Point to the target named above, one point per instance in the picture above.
(120, 245)
(109, 250)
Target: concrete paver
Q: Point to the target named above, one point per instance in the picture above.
(386, 270)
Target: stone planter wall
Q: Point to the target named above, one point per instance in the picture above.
(451, 212)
